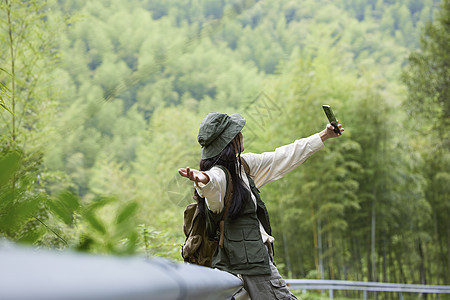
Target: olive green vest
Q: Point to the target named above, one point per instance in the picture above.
(244, 251)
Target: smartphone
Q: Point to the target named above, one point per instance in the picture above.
(331, 118)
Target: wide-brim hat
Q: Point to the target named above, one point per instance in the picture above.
(216, 131)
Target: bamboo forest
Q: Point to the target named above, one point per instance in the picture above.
(101, 101)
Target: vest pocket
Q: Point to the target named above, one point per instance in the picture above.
(245, 246)
(254, 246)
(235, 247)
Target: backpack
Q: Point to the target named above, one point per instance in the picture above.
(199, 247)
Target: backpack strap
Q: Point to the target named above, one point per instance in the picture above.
(228, 198)
(246, 167)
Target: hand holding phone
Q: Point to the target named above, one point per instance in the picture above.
(331, 118)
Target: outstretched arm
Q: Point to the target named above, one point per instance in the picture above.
(210, 185)
(194, 175)
(270, 166)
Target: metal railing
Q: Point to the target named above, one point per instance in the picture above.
(332, 285)
(27, 273)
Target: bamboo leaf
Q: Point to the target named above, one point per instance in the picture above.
(18, 212)
(126, 212)
(4, 87)
(98, 203)
(4, 70)
(95, 223)
(6, 108)
(64, 206)
(9, 165)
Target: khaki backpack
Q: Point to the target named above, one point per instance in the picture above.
(198, 247)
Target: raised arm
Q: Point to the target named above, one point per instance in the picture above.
(270, 166)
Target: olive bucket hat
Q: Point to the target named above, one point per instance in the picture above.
(216, 131)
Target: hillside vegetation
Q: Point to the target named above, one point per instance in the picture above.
(101, 102)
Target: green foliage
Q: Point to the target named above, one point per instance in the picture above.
(427, 74)
(108, 228)
(28, 42)
(427, 79)
(4, 93)
(153, 242)
(106, 97)
(64, 206)
(18, 204)
(31, 216)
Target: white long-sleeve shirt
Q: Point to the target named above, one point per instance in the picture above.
(264, 168)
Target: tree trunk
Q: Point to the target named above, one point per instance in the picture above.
(344, 261)
(316, 248)
(358, 267)
(423, 279)
(319, 225)
(400, 268)
(384, 261)
(13, 85)
(286, 254)
(331, 252)
(13, 71)
(369, 265)
(448, 257)
(372, 239)
(392, 271)
(411, 268)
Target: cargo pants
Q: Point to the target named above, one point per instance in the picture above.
(273, 286)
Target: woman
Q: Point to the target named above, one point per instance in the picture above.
(247, 250)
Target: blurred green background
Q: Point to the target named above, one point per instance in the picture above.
(101, 102)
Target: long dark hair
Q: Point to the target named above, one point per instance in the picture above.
(229, 160)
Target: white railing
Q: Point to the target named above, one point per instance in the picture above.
(332, 285)
(27, 273)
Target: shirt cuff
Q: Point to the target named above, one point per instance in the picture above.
(316, 142)
(202, 188)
